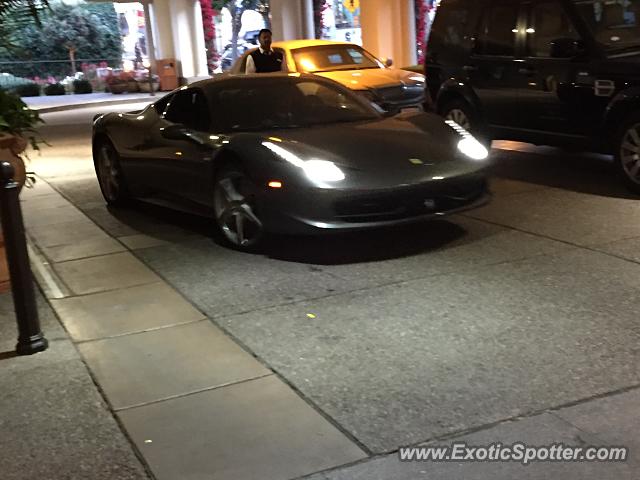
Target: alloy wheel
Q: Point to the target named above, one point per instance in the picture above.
(234, 210)
(108, 174)
(460, 117)
(630, 153)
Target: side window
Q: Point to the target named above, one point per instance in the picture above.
(161, 105)
(547, 22)
(499, 29)
(453, 26)
(190, 108)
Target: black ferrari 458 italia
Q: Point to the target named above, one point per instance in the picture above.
(290, 153)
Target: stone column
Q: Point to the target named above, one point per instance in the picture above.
(308, 20)
(161, 27)
(388, 30)
(188, 39)
(287, 19)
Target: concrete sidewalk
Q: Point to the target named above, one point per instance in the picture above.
(58, 103)
(198, 405)
(54, 423)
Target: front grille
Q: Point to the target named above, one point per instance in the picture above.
(409, 202)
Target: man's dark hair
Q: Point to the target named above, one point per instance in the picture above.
(264, 30)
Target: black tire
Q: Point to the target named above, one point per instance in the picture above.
(110, 177)
(467, 117)
(627, 152)
(235, 208)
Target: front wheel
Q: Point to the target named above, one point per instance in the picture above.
(235, 209)
(112, 182)
(466, 116)
(627, 152)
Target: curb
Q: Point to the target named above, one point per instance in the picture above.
(62, 108)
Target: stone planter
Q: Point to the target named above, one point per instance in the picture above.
(11, 147)
(132, 86)
(118, 88)
(144, 87)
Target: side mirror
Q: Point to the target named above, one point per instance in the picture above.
(388, 62)
(566, 48)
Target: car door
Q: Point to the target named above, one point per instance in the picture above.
(556, 100)
(493, 68)
(182, 164)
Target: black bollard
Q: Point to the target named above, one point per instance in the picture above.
(30, 338)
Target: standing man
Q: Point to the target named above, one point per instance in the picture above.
(264, 59)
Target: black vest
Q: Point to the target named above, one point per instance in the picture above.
(267, 63)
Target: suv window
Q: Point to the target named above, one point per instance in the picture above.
(452, 26)
(548, 22)
(499, 29)
(190, 108)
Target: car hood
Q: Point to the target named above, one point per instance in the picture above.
(372, 77)
(409, 148)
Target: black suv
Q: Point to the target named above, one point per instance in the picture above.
(562, 72)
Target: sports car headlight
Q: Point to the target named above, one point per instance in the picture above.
(316, 170)
(469, 145)
(322, 171)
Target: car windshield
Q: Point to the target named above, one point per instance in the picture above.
(284, 102)
(614, 23)
(327, 58)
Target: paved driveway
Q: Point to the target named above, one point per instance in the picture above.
(400, 336)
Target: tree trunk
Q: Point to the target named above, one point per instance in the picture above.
(72, 57)
(236, 23)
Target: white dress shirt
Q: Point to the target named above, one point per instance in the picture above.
(251, 66)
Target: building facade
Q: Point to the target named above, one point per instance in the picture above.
(387, 28)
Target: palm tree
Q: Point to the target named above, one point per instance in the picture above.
(15, 14)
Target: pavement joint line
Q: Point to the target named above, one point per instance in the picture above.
(515, 418)
(566, 242)
(379, 286)
(480, 428)
(564, 420)
(108, 290)
(138, 332)
(193, 392)
(92, 256)
(107, 403)
(52, 286)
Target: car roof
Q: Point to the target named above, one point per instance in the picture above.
(312, 42)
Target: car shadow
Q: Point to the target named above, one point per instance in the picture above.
(580, 172)
(365, 246)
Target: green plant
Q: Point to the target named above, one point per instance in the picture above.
(27, 90)
(82, 86)
(55, 89)
(18, 119)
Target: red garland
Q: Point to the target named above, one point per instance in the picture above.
(208, 23)
(319, 6)
(421, 28)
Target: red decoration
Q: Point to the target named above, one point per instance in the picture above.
(208, 23)
(423, 7)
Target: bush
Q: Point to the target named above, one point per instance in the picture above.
(54, 89)
(27, 90)
(82, 86)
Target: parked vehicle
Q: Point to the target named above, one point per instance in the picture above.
(352, 66)
(287, 153)
(557, 72)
